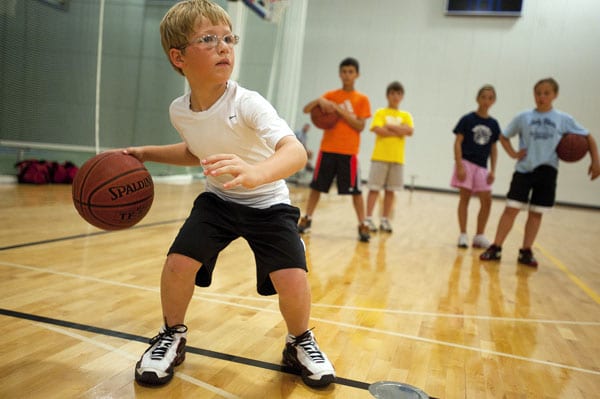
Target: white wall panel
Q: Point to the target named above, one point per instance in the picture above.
(442, 61)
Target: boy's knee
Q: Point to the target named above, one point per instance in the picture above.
(181, 265)
(289, 281)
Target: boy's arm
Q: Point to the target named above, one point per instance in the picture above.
(383, 131)
(355, 122)
(308, 107)
(326, 105)
(289, 157)
(401, 130)
(594, 169)
(493, 160)
(174, 154)
(506, 144)
(460, 169)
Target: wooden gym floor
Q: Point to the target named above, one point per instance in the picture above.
(79, 304)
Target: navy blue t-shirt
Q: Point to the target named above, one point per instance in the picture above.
(479, 135)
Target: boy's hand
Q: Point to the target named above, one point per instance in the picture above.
(522, 153)
(135, 152)
(594, 170)
(243, 173)
(461, 174)
(327, 106)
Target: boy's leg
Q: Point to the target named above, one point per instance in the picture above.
(305, 221)
(388, 203)
(301, 350)
(532, 226)
(359, 207)
(363, 228)
(494, 251)
(517, 198)
(371, 201)
(463, 207)
(167, 349)
(313, 200)
(177, 287)
(505, 224)
(485, 200)
(294, 298)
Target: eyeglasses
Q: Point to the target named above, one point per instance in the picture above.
(209, 42)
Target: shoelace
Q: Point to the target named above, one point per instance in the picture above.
(165, 339)
(310, 346)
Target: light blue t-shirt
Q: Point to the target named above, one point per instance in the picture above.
(540, 133)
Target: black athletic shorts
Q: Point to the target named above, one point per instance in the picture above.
(342, 167)
(272, 234)
(541, 184)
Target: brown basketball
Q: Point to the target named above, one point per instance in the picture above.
(113, 191)
(323, 120)
(572, 147)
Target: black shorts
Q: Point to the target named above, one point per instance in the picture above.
(272, 234)
(541, 184)
(342, 167)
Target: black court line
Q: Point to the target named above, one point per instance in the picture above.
(188, 349)
(97, 233)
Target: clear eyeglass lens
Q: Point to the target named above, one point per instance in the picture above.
(211, 41)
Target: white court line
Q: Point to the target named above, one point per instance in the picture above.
(418, 313)
(325, 321)
(134, 358)
(203, 296)
(459, 346)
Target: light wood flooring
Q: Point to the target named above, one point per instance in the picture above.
(77, 304)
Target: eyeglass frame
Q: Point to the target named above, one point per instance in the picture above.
(219, 39)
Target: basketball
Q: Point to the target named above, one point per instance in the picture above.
(323, 120)
(572, 147)
(113, 191)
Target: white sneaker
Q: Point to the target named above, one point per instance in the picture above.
(385, 226)
(463, 241)
(479, 241)
(166, 351)
(304, 356)
(370, 225)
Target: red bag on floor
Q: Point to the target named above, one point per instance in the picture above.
(33, 171)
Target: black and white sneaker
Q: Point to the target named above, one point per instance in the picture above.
(166, 351)
(303, 355)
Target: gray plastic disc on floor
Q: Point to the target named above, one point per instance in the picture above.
(395, 390)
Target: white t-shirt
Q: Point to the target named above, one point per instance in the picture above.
(243, 123)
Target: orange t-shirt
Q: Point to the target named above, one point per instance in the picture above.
(342, 138)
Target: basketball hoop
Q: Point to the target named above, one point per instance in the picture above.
(269, 10)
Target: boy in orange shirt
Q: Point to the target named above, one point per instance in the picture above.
(338, 154)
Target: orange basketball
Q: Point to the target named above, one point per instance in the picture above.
(572, 147)
(323, 120)
(113, 191)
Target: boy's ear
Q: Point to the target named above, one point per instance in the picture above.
(175, 57)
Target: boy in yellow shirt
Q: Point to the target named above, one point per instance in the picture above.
(391, 125)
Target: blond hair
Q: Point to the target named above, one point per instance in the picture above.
(553, 83)
(179, 22)
(486, 88)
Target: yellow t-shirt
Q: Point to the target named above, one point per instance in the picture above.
(390, 149)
